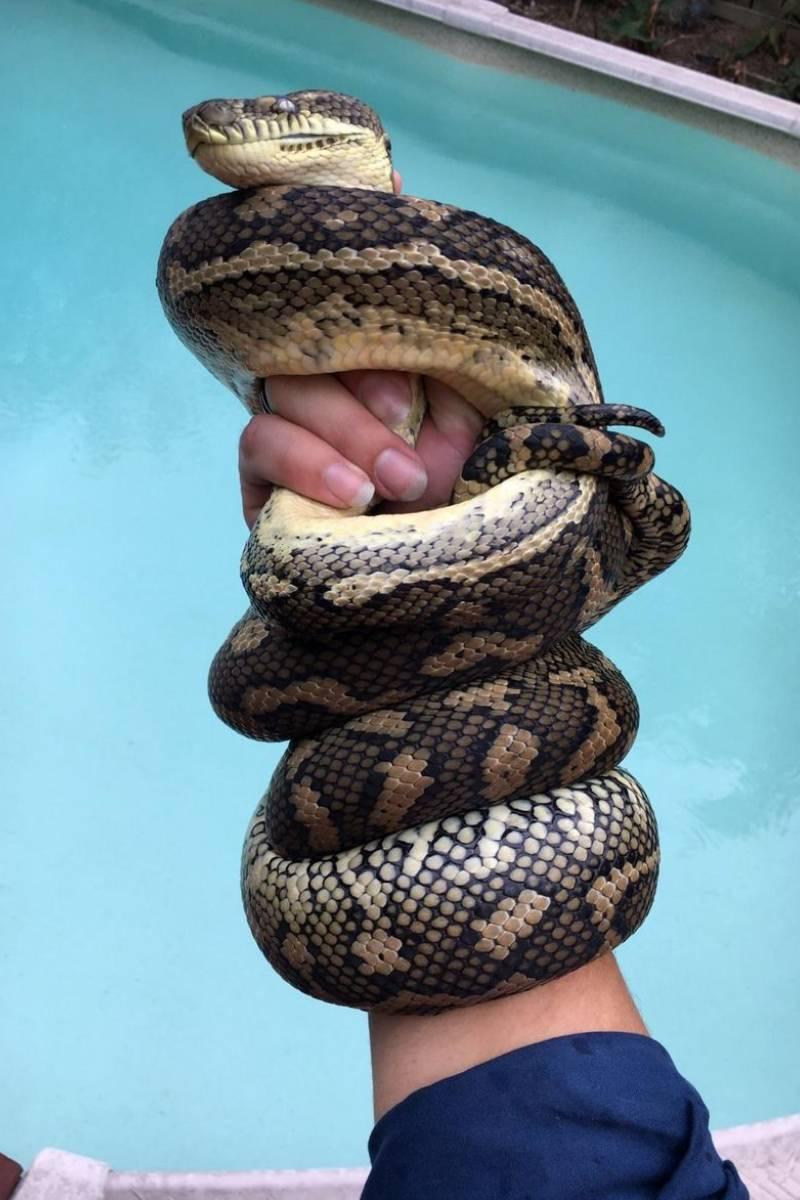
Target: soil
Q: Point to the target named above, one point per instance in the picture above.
(684, 32)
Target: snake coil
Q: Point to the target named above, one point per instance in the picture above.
(449, 822)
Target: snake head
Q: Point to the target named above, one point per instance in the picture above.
(311, 137)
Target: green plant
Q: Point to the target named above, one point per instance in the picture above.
(636, 22)
(789, 82)
(646, 22)
(774, 36)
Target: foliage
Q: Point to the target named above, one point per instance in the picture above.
(636, 22)
(767, 57)
(774, 36)
(647, 25)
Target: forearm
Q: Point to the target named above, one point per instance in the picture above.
(411, 1052)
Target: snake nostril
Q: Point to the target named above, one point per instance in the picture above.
(214, 112)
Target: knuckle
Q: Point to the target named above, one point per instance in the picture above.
(251, 439)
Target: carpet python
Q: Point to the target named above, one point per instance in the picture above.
(449, 822)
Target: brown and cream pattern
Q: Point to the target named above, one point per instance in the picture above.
(449, 822)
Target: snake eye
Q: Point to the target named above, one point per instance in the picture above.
(286, 105)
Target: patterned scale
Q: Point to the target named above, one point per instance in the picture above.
(449, 822)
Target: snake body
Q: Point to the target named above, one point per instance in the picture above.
(449, 822)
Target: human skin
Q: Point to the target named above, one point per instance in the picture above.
(326, 437)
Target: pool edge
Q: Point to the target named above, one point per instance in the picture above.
(490, 20)
(767, 1154)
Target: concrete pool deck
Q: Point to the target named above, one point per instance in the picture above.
(767, 1156)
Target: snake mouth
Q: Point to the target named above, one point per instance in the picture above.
(249, 153)
(251, 132)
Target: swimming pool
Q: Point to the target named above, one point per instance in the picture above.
(139, 1022)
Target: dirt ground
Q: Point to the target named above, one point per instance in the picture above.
(679, 31)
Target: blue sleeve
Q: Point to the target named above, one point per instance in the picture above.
(595, 1116)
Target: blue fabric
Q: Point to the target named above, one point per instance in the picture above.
(594, 1116)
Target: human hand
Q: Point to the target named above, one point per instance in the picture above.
(327, 437)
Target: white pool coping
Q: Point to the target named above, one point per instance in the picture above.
(490, 20)
(766, 1154)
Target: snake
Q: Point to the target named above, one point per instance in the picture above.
(449, 822)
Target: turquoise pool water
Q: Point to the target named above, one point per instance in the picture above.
(138, 1023)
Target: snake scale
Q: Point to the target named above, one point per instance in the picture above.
(449, 822)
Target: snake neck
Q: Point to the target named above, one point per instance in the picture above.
(367, 172)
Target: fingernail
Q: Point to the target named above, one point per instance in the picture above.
(387, 399)
(400, 476)
(348, 484)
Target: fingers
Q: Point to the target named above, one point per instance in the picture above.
(274, 451)
(446, 439)
(386, 394)
(357, 428)
(328, 438)
(320, 441)
(351, 416)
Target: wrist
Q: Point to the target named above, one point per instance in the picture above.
(411, 1052)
